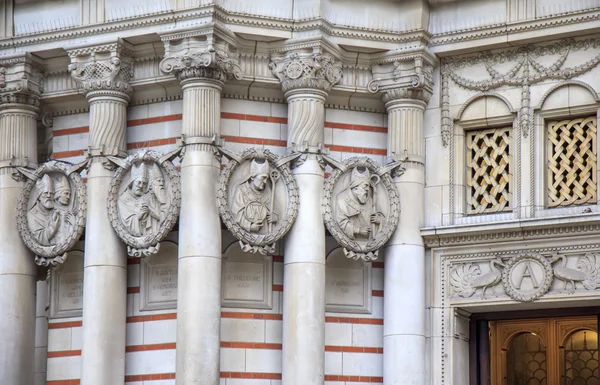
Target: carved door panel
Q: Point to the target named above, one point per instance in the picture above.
(550, 351)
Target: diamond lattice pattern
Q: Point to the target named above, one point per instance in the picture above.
(489, 175)
(572, 162)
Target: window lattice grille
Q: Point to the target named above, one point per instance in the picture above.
(489, 177)
(572, 162)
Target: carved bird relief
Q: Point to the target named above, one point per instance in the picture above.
(466, 279)
(587, 272)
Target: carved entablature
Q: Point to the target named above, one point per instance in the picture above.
(51, 212)
(21, 81)
(523, 277)
(521, 68)
(102, 68)
(403, 78)
(258, 199)
(361, 207)
(144, 201)
(306, 68)
(201, 56)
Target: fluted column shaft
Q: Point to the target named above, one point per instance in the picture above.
(404, 275)
(105, 266)
(304, 252)
(199, 266)
(18, 129)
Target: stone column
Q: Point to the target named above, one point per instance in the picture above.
(20, 87)
(202, 71)
(404, 339)
(304, 251)
(105, 264)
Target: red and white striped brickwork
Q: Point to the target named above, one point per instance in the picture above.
(250, 338)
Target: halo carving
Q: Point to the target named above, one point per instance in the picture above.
(361, 207)
(51, 212)
(144, 201)
(533, 270)
(258, 200)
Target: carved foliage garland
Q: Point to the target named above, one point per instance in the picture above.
(525, 69)
(144, 201)
(361, 207)
(51, 212)
(258, 199)
(319, 71)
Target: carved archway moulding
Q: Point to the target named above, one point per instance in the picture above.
(51, 212)
(144, 201)
(258, 199)
(361, 207)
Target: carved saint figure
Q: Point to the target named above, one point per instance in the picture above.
(157, 198)
(253, 199)
(134, 204)
(357, 213)
(43, 219)
(62, 200)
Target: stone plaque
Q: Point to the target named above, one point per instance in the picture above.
(527, 277)
(348, 284)
(247, 279)
(67, 287)
(159, 279)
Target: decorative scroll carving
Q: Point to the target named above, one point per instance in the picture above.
(105, 68)
(21, 81)
(144, 201)
(410, 78)
(300, 69)
(258, 199)
(361, 207)
(526, 70)
(572, 162)
(51, 212)
(489, 170)
(195, 57)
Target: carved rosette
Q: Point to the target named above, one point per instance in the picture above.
(258, 199)
(527, 277)
(51, 212)
(361, 207)
(297, 70)
(144, 201)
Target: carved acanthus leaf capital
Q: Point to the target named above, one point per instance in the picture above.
(200, 57)
(306, 69)
(21, 82)
(104, 68)
(410, 78)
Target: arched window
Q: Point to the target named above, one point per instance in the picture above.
(526, 361)
(579, 356)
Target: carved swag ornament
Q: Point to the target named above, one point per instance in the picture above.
(51, 212)
(144, 201)
(361, 207)
(258, 199)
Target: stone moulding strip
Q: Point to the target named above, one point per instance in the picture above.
(65, 325)
(271, 376)
(264, 316)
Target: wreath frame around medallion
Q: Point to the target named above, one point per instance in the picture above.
(353, 248)
(56, 254)
(286, 221)
(147, 244)
(514, 294)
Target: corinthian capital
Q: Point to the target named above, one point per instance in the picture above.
(403, 78)
(102, 68)
(306, 69)
(21, 81)
(199, 57)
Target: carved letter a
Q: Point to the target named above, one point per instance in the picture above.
(527, 272)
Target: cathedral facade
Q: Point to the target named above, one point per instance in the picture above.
(307, 192)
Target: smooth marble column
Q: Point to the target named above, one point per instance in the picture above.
(304, 251)
(199, 266)
(404, 274)
(105, 266)
(18, 129)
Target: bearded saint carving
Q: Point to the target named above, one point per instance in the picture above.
(43, 219)
(357, 213)
(252, 204)
(62, 204)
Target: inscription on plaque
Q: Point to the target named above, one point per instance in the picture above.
(67, 287)
(348, 284)
(246, 279)
(159, 279)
